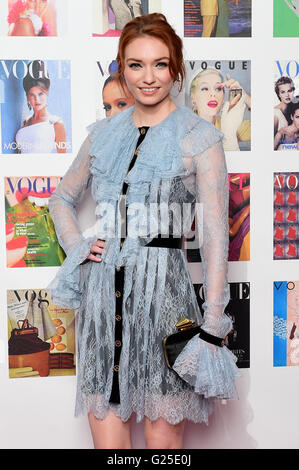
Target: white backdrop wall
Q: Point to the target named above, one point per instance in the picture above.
(39, 413)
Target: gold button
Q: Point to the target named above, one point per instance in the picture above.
(117, 343)
(116, 368)
(118, 269)
(121, 244)
(142, 131)
(117, 293)
(136, 152)
(117, 317)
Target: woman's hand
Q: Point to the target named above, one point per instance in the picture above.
(233, 84)
(233, 114)
(97, 247)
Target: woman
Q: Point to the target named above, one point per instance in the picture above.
(207, 92)
(25, 18)
(116, 97)
(132, 285)
(287, 138)
(215, 17)
(284, 89)
(124, 11)
(41, 131)
(209, 13)
(222, 26)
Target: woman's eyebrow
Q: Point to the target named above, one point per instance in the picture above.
(155, 60)
(207, 83)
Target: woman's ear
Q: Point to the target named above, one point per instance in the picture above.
(194, 104)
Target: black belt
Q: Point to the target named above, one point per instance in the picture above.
(170, 242)
(211, 338)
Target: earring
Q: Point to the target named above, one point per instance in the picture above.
(29, 105)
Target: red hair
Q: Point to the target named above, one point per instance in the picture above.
(154, 25)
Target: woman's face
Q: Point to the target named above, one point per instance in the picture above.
(295, 118)
(37, 97)
(208, 96)
(146, 70)
(286, 93)
(116, 99)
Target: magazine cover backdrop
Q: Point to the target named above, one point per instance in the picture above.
(217, 18)
(28, 88)
(41, 18)
(245, 423)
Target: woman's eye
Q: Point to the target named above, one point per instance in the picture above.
(107, 107)
(204, 88)
(219, 88)
(162, 64)
(134, 65)
(121, 104)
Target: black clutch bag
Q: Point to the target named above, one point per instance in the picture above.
(175, 342)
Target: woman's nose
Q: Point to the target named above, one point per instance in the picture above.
(114, 110)
(149, 76)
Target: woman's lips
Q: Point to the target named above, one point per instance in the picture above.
(149, 90)
(213, 104)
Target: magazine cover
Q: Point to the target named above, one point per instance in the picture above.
(285, 323)
(220, 92)
(238, 341)
(286, 18)
(31, 240)
(286, 105)
(40, 18)
(34, 118)
(110, 16)
(41, 335)
(286, 213)
(217, 18)
(239, 221)
(111, 97)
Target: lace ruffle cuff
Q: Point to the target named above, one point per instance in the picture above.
(210, 369)
(65, 288)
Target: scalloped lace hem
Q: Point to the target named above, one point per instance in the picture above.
(172, 409)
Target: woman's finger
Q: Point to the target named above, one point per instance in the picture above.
(100, 242)
(96, 249)
(94, 258)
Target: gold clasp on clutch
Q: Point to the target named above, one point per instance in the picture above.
(184, 324)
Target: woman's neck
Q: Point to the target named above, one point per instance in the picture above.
(40, 116)
(144, 115)
(208, 117)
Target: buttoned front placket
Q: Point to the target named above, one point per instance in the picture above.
(119, 281)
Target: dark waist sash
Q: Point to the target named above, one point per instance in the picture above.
(169, 242)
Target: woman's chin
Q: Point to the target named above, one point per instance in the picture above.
(209, 115)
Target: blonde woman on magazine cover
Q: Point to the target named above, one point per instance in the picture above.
(208, 101)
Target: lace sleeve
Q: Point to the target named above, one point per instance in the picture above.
(212, 192)
(66, 197)
(211, 369)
